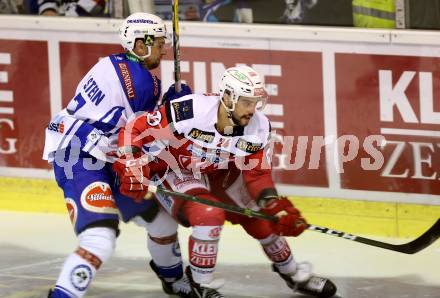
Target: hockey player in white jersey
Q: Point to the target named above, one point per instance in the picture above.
(80, 142)
(217, 151)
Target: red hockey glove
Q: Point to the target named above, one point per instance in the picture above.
(290, 222)
(133, 176)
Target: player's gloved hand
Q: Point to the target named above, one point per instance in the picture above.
(290, 222)
(172, 94)
(133, 173)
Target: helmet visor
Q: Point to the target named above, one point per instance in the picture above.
(257, 102)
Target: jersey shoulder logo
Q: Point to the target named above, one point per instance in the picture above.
(200, 135)
(183, 110)
(248, 147)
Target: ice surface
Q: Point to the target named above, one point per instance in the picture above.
(33, 247)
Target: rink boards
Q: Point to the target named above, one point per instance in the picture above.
(355, 113)
(353, 216)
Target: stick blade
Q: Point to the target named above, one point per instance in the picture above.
(418, 244)
(422, 242)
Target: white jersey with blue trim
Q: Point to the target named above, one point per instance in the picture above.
(110, 94)
(195, 117)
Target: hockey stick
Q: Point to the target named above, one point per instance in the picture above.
(418, 244)
(176, 46)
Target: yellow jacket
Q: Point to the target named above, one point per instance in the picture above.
(374, 13)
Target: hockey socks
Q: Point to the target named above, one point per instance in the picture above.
(75, 277)
(203, 244)
(96, 247)
(167, 257)
(278, 251)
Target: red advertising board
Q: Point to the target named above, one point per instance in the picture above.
(396, 96)
(24, 102)
(76, 59)
(298, 89)
(389, 95)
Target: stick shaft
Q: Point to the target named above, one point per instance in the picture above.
(227, 207)
(421, 242)
(176, 46)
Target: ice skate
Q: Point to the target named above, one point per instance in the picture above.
(179, 288)
(204, 291)
(313, 285)
(57, 293)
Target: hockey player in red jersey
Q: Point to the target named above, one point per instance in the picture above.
(213, 147)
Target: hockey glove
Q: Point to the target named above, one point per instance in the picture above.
(172, 94)
(133, 176)
(290, 222)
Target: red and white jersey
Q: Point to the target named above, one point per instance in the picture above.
(186, 127)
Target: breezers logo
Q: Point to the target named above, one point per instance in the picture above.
(98, 197)
(128, 82)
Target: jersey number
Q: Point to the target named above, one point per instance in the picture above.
(77, 103)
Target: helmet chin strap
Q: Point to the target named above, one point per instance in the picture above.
(229, 112)
(233, 121)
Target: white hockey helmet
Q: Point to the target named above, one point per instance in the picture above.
(242, 81)
(141, 25)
